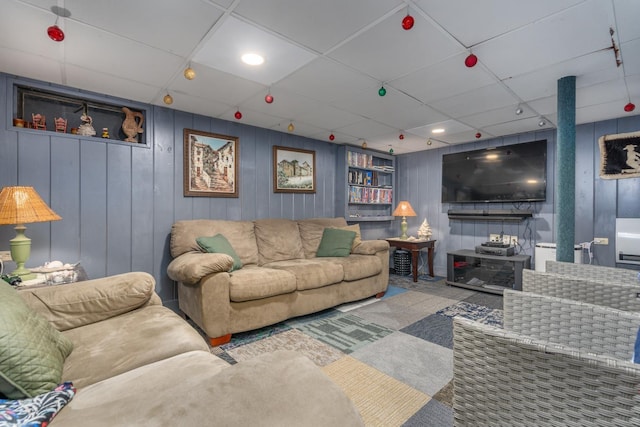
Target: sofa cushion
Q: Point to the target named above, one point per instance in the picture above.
(335, 243)
(32, 352)
(126, 342)
(252, 283)
(311, 274)
(199, 389)
(311, 232)
(240, 235)
(357, 267)
(219, 244)
(278, 240)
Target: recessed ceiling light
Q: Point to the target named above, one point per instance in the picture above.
(437, 130)
(252, 59)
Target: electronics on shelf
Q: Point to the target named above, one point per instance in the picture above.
(496, 248)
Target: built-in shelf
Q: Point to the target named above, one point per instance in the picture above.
(490, 214)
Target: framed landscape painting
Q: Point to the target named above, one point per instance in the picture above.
(210, 164)
(294, 170)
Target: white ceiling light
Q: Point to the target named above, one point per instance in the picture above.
(437, 130)
(252, 59)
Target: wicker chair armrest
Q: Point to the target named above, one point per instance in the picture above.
(584, 326)
(594, 272)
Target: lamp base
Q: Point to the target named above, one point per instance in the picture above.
(403, 228)
(20, 247)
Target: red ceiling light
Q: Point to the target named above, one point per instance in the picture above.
(629, 107)
(238, 115)
(401, 136)
(55, 33)
(407, 22)
(332, 137)
(471, 60)
(478, 135)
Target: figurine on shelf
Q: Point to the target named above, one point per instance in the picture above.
(130, 126)
(424, 232)
(61, 124)
(38, 121)
(105, 132)
(86, 128)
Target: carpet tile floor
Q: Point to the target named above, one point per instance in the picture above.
(401, 344)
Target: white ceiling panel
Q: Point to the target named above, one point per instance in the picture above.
(36, 67)
(575, 32)
(518, 126)
(366, 129)
(604, 111)
(476, 101)
(173, 26)
(286, 104)
(450, 127)
(601, 93)
(235, 38)
(319, 25)
(461, 17)
(14, 33)
(627, 20)
(444, 79)
(500, 115)
(81, 78)
(327, 117)
(631, 58)
(387, 51)
(205, 107)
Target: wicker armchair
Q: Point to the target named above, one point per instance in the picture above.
(557, 362)
(594, 272)
(614, 295)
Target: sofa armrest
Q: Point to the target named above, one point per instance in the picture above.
(190, 267)
(81, 303)
(371, 247)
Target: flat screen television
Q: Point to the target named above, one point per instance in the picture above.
(511, 173)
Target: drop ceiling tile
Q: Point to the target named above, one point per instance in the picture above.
(194, 104)
(286, 104)
(366, 129)
(327, 80)
(319, 25)
(476, 101)
(627, 12)
(575, 32)
(117, 55)
(175, 27)
(601, 93)
(329, 117)
(234, 38)
(500, 115)
(450, 127)
(517, 126)
(468, 136)
(605, 111)
(217, 85)
(37, 67)
(631, 56)
(544, 106)
(387, 52)
(473, 22)
(28, 34)
(444, 79)
(100, 82)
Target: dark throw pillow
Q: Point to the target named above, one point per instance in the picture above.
(219, 244)
(335, 242)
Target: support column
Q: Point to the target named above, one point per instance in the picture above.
(565, 199)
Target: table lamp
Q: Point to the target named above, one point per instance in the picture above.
(19, 206)
(404, 210)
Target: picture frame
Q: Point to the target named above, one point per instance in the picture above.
(210, 164)
(620, 155)
(294, 170)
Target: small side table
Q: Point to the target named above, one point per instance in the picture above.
(415, 246)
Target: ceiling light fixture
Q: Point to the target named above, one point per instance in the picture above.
(332, 137)
(401, 136)
(429, 142)
(629, 107)
(437, 130)
(291, 127)
(471, 60)
(238, 115)
(519, 110)
(542, 122)
(252, 59)
(189, 73)
(54, 32)
(407, 22)
(168, 99)
(364, 145)
(478, 135)
(268, 98)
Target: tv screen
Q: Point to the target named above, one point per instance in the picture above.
(511, 173)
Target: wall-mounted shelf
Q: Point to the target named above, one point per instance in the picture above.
(490, 214)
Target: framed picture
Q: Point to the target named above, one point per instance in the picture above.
(620, 155)
(294, 170)
(210, 164)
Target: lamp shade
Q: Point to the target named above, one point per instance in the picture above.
(23, 205)
(404, 209)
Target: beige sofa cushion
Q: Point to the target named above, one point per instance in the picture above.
(126, 342)
(252, 283)
(311, 232)
(199, 389)
(311, 274)
(357, 267)
(278, 240)
(240, 235)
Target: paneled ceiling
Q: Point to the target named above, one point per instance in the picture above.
(325, 61)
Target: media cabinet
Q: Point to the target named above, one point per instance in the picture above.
(486, 273)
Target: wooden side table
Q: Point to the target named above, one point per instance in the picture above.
(415, 246)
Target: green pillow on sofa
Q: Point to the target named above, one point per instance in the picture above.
(219, 244)
(32, 352)
(335, 242)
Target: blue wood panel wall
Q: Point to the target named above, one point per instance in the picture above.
(598, 201)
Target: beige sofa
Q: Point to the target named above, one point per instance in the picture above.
(281, 276)
(137, 363)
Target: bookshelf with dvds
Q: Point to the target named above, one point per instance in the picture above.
(366, 184)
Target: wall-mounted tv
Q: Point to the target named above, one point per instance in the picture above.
(511, 173)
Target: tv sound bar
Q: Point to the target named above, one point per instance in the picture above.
(490, 214)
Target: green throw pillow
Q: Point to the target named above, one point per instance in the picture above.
(219, 244)
(32, 351)
(335, 242)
